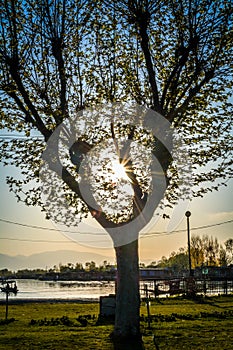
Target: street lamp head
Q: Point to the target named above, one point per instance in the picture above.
(188, 214)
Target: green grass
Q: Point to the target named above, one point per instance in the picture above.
(176, 324)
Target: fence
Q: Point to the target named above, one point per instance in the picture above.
(186, 286)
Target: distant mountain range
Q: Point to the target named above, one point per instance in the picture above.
(49, 259)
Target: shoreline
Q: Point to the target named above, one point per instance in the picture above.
(48, 301)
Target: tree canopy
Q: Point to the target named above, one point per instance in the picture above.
(171, 56)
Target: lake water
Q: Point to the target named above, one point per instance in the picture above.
(35, 289)
(89, 290)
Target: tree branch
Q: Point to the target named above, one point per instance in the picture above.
(192, 93)
(142, 20)
(57, 42)
(28, 117)
(17, 79)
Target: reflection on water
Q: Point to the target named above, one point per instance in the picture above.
(88, 290)
(92, 290)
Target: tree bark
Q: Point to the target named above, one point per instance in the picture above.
(127, 318)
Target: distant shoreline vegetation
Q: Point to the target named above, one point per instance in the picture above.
(65, 272)
(208, 257)
(146, 273)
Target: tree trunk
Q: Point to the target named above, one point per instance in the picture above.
(127, 318)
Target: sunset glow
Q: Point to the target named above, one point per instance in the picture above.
(119, 170)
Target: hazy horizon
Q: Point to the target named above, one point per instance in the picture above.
(214, 208)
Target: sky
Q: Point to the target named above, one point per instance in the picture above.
(215, 208)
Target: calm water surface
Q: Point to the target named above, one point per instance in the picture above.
(35, 289)
(88, 290)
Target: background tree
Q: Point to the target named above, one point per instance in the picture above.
(229, 250)
(105, 266)
(153, 263)
(177, 261)
(173, 56)
(211, 249)
(206, 250)
(197, 251)
(90, 266)
(79, 266)
(69, 267)
(222, 256)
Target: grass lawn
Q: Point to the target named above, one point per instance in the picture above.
(175, 324)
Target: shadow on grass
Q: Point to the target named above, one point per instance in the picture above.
(6, 321)
(129, 345)
(105, 320)
(201, 299)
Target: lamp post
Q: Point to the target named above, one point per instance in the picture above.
(188, 214)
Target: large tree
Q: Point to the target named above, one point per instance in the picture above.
(58, 58)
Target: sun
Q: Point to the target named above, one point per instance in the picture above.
(119, 170)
